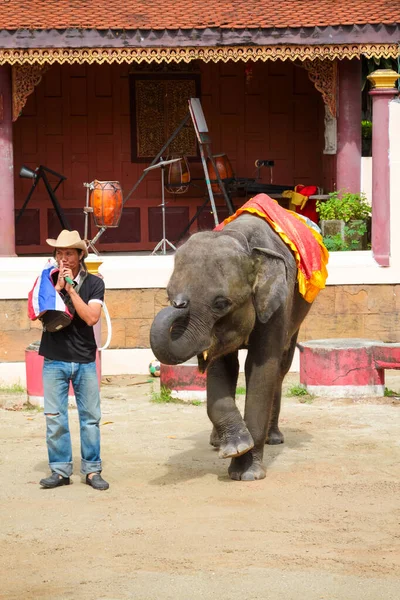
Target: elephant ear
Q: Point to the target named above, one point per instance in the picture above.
(271, 286)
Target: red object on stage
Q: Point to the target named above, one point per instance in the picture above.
(106, 201)
(310, 208)
(224, 169)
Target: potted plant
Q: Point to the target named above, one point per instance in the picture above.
(366, 138)
(344, 220)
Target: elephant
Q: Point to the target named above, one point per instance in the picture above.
(232, 289)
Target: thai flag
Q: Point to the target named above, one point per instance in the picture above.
(43, 296)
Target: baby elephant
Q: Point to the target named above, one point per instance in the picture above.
(242, 286)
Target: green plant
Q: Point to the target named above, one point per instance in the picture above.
(390, 393)
(15, 388)
(366, 130)
(240, 391)
(334, 243)
(352, 238)
(163, 396)
(344, 206)
(297, 390)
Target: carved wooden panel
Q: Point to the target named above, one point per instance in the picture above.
(159, 102)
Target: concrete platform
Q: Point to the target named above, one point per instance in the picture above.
(343, 367)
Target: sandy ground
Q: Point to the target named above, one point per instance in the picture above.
(323, 525)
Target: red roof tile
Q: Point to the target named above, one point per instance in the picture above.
(188, 14)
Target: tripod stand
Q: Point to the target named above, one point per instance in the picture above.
(163, 242)
(195, 113)
(41, 174)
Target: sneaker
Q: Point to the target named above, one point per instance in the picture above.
(97, 482)
(54, 480)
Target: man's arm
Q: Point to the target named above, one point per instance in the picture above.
(90, 313)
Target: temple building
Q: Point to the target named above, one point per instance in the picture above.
(94, 91)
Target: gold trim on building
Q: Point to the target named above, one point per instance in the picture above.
(383, 79)
(24, 80)
(43, 56)
(324, 75)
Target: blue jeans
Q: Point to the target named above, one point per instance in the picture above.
(56, 377)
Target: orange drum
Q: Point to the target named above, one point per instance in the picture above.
(224, 169)
(106, 201)
(178, 178)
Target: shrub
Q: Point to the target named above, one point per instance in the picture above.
(366, 129)
(344, 206)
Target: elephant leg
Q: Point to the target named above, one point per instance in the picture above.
(262, 375)
(229, 433)
(214, 439)
(275, 436)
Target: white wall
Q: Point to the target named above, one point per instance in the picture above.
(366, 177)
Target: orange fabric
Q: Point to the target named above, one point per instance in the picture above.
(304, 241)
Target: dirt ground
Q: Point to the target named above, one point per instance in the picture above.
(323, 525)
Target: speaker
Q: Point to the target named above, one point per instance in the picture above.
(27, 173)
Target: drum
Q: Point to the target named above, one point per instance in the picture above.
(178, 177)
(106, 200)
(224, 169)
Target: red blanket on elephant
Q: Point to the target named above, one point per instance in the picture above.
(304, 241)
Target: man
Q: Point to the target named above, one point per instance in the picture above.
(69, 356)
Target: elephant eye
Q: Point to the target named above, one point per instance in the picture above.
(221, 303)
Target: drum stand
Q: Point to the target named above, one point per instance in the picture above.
(163, 242)
(88, 209)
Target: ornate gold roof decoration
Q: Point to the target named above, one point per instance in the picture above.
(323, 74)
(24, 79)
(42, 56)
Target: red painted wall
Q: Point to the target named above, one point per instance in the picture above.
(77, 122)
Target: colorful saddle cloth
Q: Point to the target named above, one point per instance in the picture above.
(305, 242)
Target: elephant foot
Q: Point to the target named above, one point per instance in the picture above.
(275, 436)
(214, 439)
(236, 445)
(246, 468)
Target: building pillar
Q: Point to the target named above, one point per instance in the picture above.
(7, 228)
(383, 81)
(348, 164)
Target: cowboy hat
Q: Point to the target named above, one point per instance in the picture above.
(69, 239)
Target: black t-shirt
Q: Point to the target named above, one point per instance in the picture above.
(76, 342)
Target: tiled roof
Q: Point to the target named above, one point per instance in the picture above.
(189, 14)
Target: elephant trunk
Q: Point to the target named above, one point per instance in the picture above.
(173, 338)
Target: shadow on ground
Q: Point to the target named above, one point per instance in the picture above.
(206, 461)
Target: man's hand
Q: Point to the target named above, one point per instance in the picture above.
(60, 280)
(62, 274)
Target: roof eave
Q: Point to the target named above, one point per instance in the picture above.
(198, 37)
